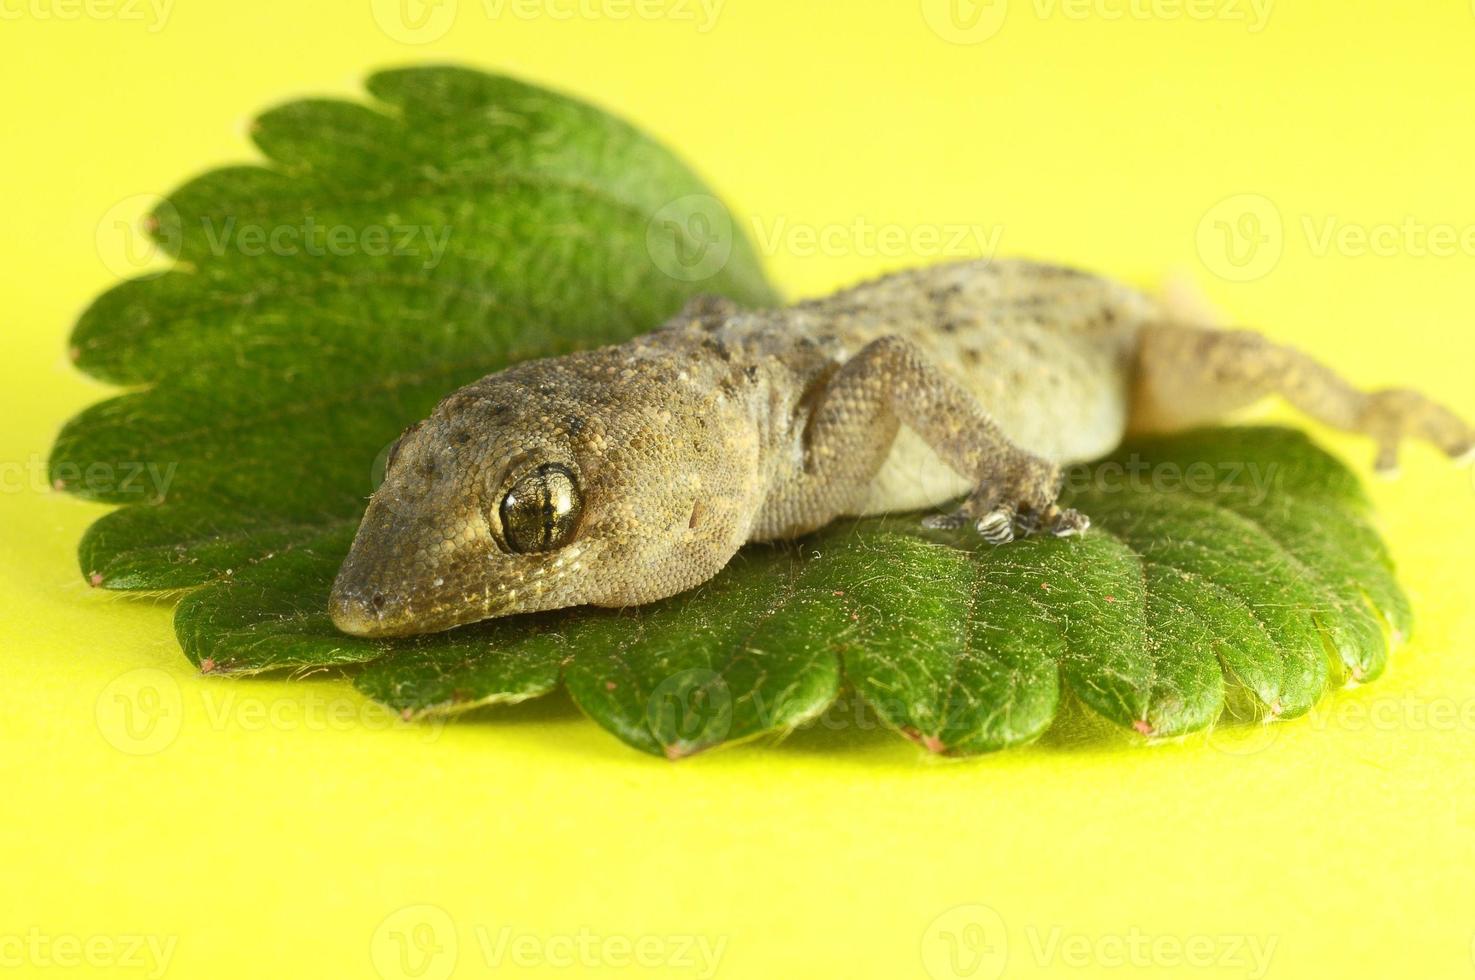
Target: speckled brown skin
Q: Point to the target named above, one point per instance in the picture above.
(725, 426)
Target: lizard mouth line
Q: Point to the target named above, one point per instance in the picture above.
(373, 615)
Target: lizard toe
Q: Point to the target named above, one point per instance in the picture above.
(1385, 464)
(996, 527)
(1070, 522)
(945, 522)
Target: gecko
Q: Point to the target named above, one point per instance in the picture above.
(619, 476)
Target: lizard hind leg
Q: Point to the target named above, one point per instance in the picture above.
(1188, 376)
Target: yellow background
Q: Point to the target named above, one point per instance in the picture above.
(274, 828)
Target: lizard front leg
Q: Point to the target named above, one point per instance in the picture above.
(889, 383)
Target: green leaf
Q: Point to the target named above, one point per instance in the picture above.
(1227, 570)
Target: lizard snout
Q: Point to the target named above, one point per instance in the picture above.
(379, 591)
(367, 602)
(361, 612)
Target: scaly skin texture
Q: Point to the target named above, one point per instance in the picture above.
(974, 379)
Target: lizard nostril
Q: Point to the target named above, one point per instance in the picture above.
(378, 600)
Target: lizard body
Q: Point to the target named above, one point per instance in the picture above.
(626, 474)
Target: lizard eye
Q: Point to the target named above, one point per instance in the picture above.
(541, 511)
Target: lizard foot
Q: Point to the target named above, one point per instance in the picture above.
(1020, 501)
(1004, 524)
(1062, 522)
(1392, 415)
(995, 527)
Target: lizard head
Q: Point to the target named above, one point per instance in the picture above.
(551, 484)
